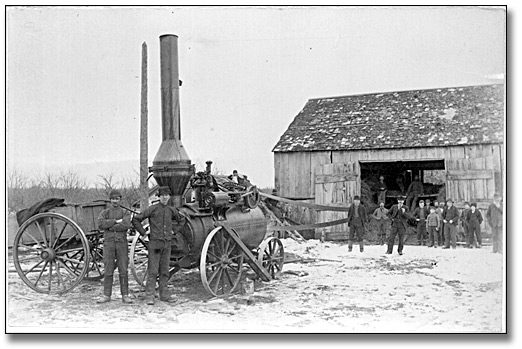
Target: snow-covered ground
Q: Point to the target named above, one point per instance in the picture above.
(425, 290)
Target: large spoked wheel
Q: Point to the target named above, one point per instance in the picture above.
(139, 258)
(272, 256)
(221, 263)
(96, 268)
(51, 253)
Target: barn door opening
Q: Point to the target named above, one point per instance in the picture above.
(335, 185)
(398, 175)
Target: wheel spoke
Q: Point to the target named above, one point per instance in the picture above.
(34, 266)
(50, 276)
(220, 272)
(28, 247)
(65, 242)
(59, 235)
(76, 249)
(214, 275)
(66, 268)
(33, 238)
(42, 233)
(41, 272)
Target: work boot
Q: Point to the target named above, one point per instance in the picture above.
(150, 300)
(168, 299)
(126, 299)
(361, 246)
(350, 245)
(104, 299)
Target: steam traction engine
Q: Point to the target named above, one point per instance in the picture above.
(224, 230)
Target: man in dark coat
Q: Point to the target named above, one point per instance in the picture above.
(420, 214)
(357, 219)
(474, 220)
(450, 218)
(414, 191)
(163, 218)
(494, 217)
(115, 221)
(399, 216)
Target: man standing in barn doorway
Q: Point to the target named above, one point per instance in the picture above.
(382, 190)
(414, 191)
(357, 220)
(399, 216)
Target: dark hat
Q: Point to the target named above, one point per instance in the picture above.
(449, 200)
(164, 191)
(497, 196)
(474, 204)
(401, 197)
(356, 197)
(421, 201)
(115, 194)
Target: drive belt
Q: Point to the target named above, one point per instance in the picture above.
(309, 205)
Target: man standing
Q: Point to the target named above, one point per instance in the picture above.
(439, 209)
(433, 226)
(474, 221)
(382, 188)
(162, 219)
(464, 220)
(414, 191)
(494, 217)
(399, 216)
(115, 221)
(357, 223)
(380, 215)
(420, 215)
(450, 218)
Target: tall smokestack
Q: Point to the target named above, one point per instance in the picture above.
(171, 166)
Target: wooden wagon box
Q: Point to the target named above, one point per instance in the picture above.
(85, 215)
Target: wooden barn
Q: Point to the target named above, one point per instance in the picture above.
(335, 145)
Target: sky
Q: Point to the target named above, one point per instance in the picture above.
(73, 74)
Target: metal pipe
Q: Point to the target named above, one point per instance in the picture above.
(170, 110)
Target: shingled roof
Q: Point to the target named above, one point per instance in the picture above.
(405, 119)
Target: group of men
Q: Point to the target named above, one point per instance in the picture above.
(115, 223)
(437, 223)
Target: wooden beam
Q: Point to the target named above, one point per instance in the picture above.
(349, 176)
(469, 174)
(144, 187)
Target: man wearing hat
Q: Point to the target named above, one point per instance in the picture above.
(420, 214)
(357, 219)
(399, 215)
(450, 218)
(162, 219)
(382, 190)
(115, 221)
(494, 217)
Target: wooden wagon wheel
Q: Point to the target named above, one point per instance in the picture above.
(272, 256)
(221, 263)
(96, 268)
(139, 256)
(51, 253)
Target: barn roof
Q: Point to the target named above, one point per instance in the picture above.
(419, 118)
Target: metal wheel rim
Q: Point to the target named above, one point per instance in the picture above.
(139, 257)
(96, 268)
(66, 254)
(221, 263)
(272, 256)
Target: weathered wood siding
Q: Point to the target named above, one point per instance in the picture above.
(295, 172)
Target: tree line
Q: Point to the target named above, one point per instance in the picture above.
(24, 191)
